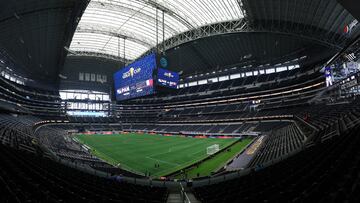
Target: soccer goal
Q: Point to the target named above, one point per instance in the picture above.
(212, 149)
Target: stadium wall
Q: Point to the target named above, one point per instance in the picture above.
(75, 65)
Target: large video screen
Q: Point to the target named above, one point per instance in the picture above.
(135, 80)
(167, 78)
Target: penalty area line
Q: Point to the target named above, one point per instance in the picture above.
(163, 161)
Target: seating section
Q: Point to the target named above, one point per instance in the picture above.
(210, 111)
(279, 143)
(205, 129)
(28, 177)
(219, 108)
(27, 96)
(327, 172)
(34, 101)
(17, 132)
(232, 87)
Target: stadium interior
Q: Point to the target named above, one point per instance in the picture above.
(179, 101)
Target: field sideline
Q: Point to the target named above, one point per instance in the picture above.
(219, 160)
(140, 152)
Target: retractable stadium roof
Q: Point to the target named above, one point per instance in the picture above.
(129, 28)
(40, 34)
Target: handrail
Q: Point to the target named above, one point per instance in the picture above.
(306, 123)
(353, 122)
(184, 196)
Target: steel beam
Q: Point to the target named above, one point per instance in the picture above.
(98, 29)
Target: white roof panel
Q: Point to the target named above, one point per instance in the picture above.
(105, 23)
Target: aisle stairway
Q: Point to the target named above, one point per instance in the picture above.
(175, 196)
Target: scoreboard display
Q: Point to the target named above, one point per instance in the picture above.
(167, 78)
(143, 77)
(136, 79)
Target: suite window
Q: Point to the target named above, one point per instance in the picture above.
(81, 76)
(280, 69)
(223, 78)
(235, 76)
(270, 70)
(202, 82)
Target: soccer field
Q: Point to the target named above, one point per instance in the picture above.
(140, 152)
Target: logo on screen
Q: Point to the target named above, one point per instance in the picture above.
(163, 62)
(131, 72)
(123, 89)
(168, 74)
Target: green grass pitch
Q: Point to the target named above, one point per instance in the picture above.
(139, 152)
(205, 168)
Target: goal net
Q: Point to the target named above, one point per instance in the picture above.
(212, 149)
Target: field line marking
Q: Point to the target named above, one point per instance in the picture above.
(176, 148)
(163, 161)
(197, 152)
